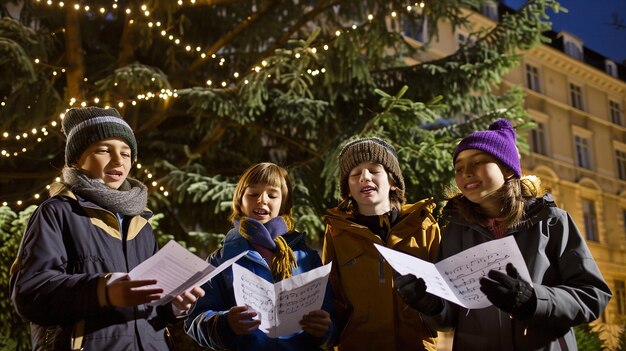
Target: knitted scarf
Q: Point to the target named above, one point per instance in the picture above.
(269, 235)
(129, 200)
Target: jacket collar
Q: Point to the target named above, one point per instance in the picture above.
(234, 243)
(105, 219)
(412, 216)
(535, 210)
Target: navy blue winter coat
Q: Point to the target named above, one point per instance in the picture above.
(207, 323)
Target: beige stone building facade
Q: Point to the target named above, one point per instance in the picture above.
(578, 149)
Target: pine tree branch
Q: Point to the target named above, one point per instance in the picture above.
(320, 7)
(288, 139)
(211, 139)
(156, 118)
(28, 175)
(127, 45)
(215, 2)
(226, 38)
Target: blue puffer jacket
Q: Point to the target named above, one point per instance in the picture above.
(207, 323)
(57, 282)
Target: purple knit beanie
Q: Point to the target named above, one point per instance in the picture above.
(498, 141)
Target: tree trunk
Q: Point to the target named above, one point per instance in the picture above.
(73, 55)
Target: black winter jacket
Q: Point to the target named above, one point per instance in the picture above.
(58, 279)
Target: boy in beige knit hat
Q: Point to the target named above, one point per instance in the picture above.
(370, 314)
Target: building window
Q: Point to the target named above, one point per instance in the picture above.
(583, 153)
(615, 110)
(574, 50)
(532, 78)
(591, 222)
(461, 38)
(610, 68)
(619, 294)
(538, 139)
(490, 10)
(576, 96)
(417, 28)
(620, 156)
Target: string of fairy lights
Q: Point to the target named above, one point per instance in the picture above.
(40, 133)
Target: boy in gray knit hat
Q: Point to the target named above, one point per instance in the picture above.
(95, 223)
(85, 126)
(370, 315)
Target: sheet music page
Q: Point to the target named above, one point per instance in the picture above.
(171, 266)
(258, 294)
(281, 306)
(405, 264)
(456, 278)
(299, 295)
(176, 269)
(463, 270)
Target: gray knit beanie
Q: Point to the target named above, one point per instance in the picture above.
(84, 126)
(369, 149)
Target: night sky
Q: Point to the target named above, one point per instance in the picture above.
(589, 20)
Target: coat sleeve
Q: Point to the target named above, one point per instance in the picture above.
(341, 304)
(331, 336)
(432, 235)
(42, 290)
(447, 244)
(207, 323)
(582, 294)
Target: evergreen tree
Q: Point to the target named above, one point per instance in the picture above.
(212, 86)
(14, 335)
(587, 339)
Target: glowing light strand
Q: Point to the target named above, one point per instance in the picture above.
(163, 94)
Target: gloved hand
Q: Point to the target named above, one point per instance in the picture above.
(413, 292)
(509, 292)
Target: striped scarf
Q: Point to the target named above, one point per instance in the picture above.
(270, 236)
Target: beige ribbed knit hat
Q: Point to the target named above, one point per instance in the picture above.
(369, 149)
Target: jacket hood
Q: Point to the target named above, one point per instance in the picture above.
(410, 216)
(535, 210)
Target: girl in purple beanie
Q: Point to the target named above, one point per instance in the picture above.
(495, 201)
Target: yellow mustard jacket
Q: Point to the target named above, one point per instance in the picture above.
(370, 312)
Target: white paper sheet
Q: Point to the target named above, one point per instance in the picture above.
(281, 306)
(456, 278)
(176, 270)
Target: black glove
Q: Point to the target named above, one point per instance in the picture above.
(413, 292)
(509, 292)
